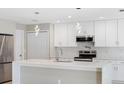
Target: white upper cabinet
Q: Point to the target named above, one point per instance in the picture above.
(100, 33)
(71, 31)
(111, 33)
(87, 28)
(121, 32)
(64, 35)
(106, 34)
(60, 35)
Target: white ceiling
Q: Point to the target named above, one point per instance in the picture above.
(51, 15)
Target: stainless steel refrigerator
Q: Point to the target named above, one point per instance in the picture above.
(6, 57)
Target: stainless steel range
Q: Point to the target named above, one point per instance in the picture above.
(86, 55)
(6, 57)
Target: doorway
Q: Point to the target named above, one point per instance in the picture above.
(38, 46)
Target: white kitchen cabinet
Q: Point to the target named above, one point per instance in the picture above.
(115, 71)
(121, 32)
(100, 33)
(106, 34)
(60, 35)
(65, 35)
(111, 33)
(87, 28)
(71, 35)
(118, 72)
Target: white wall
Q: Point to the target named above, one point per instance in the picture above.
(7, 27)
(20, 26)
(44, 26)
(23, 28)
(52, 49)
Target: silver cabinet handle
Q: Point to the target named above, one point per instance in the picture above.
(61, 51)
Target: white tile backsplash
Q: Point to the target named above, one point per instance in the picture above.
(110, 53)
(71, 52)
(102, 52)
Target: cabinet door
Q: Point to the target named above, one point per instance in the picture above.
(87, 28)
(60, 35)
(111, 33)
(100, 30)
(71, 35)
(121, 32)
(115, 72)
(120, 72)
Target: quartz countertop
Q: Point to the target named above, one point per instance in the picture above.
(74, 65)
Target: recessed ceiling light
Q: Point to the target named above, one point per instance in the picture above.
(58, 21)
(36, 13)
(69, 17)
(78, 8)
(101, 17)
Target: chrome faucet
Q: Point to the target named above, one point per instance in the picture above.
(58, 54)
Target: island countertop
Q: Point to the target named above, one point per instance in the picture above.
(22, 70)
(75, 65)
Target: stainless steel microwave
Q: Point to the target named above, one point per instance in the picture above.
(84, 39)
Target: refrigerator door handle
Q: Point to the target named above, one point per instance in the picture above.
(1, 48)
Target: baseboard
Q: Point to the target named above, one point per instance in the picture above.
(117, 82)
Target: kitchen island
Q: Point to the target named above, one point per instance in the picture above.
(51, 72)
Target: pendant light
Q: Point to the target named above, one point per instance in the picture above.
(36, 28)
(78, 26)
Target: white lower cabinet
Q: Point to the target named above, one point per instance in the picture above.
(118, 73)
(115, 71)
